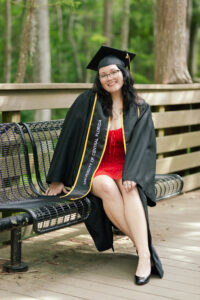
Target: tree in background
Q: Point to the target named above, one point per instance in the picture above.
(131, 28)
(25, 41)
(171, 42)
(193, 40)
(61, 56)
(125, 24)
(74, 46)
(7, 62)
(107, 23)
(42, 55)
(87, 23)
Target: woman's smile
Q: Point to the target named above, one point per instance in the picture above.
(112, 83)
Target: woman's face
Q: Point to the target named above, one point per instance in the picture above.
(111, 78)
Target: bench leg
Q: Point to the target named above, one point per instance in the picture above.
(15, 264)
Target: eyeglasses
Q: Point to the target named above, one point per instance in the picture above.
(112, 74)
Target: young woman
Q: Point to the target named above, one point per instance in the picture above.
(107, 151)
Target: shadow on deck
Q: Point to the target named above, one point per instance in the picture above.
(65, 264)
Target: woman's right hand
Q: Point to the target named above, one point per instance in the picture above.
(55, 188)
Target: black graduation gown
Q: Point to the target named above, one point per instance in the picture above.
(139, 165)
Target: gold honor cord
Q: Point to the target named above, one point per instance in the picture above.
(138, 111)
(138, 114)
(85, 194)
(94, 148)
(86, 140)
(122, 118)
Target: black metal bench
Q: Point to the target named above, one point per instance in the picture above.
(26, 150)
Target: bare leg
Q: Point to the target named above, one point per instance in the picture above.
(106, 188)
(125, 211)
(136, 220)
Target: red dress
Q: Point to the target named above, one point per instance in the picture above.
(113, 158)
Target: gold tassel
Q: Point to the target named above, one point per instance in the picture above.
(129, 63)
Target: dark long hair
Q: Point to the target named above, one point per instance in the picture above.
(129, 92)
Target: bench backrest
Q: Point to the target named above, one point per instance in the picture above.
(26, 151)
(15, 180)
(44, 137)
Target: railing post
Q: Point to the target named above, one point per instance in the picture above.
(161, 132)
(10, 116)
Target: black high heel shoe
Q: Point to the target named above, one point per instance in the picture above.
(142, 280)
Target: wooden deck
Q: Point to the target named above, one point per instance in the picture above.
(65, 264)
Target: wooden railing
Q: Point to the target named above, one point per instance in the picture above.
(176, 115)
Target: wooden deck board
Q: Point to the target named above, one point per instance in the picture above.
(6, 294)
(65, 264)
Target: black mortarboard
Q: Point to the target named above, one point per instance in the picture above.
(110, 56)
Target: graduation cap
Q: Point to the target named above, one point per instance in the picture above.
(110, 56)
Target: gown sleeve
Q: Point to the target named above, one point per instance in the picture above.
(140, 159)
(67, 153)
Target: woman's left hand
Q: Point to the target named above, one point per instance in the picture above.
(129, 185)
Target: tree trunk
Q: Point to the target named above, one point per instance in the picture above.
(7, 62)
(170, 42)
(107, 22)
(61, 59)
(21, 68)
(74, 47)
(188, 26)
(43, 42)
(86, 37)
(60, 22)
(42, 55)
(125, 24)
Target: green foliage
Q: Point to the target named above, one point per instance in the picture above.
(88, 36)
(27, 115)
(141, 37)
(198, 58)
(97, 38)
(1, 43)
(139, 78)
(196, 11)
(58, 114)
(69, 3)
